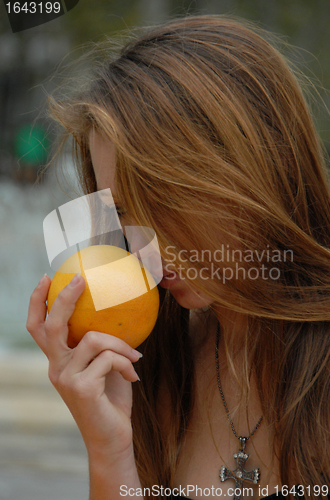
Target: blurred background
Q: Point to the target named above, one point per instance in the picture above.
(41, 453)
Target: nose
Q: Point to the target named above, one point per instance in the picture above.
(144, 244)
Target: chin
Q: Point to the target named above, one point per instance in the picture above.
(190, 299)
(183, 291)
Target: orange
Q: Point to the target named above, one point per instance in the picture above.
(120, 297)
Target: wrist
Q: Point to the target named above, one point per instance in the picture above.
(114, 450)
(105, 455)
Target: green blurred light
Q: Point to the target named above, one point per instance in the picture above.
(31, 145)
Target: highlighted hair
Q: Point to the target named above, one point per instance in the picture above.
(215, 144)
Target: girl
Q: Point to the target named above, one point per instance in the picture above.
(202, 133)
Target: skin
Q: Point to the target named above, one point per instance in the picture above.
(95, 381)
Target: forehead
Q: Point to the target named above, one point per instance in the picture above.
(104, 161)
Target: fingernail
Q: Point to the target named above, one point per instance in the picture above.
(75, 280)
(138, 378)
(42, 280)
(139, 354)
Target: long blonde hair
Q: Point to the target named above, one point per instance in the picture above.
(216, 146)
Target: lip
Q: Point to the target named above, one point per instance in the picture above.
(169, 279)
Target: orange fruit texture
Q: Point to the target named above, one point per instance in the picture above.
(120, 297)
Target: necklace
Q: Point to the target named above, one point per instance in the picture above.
(239, 474)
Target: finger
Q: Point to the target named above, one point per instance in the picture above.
(93, 343)
(56, 325)
(108, 361)
(37, 312)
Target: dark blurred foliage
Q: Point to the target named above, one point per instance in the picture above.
(28, 58)
(90, 20)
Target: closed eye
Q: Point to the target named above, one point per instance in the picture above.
(120, 211)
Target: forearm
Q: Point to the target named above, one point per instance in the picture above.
(111, 480)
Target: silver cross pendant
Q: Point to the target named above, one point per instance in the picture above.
(239, 474)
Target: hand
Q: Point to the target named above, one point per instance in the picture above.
(94, 379)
